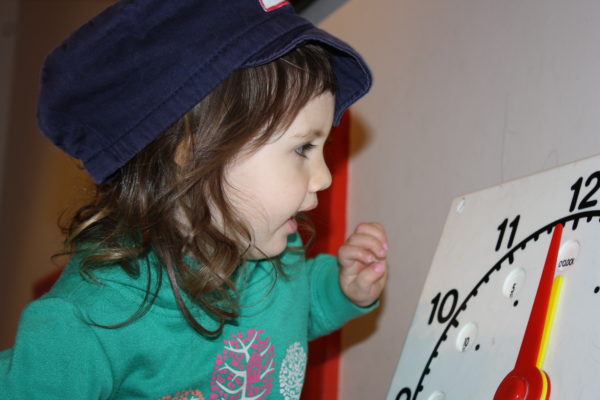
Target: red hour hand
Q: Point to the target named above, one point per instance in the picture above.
(527, 381)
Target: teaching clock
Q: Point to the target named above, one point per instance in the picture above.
(511, 306)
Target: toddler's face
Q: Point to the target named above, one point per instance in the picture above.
(268, 187)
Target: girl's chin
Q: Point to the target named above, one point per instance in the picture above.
(274, 245)
(269, 250)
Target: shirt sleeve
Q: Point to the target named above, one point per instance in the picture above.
(56, 356)
(329, 308)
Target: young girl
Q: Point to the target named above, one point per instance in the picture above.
(203, 124)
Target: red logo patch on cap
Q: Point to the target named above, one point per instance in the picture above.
(270, 5)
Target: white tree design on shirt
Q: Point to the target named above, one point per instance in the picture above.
(291, 373)
(244, 371)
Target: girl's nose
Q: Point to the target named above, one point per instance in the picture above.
(320, 177)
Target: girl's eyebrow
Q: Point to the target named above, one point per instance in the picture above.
(312, 134)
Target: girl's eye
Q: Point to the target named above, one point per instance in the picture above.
(304, 149)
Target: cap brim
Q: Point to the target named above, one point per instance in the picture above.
(353, 77)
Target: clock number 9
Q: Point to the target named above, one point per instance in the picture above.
(404, 394)
(576, 188)
(443, 313)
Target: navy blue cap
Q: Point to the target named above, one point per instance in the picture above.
(129, 73)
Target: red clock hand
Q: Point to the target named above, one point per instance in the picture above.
(527, 380)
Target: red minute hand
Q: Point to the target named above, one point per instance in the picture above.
(527, 380)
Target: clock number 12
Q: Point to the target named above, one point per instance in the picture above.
(576, 189)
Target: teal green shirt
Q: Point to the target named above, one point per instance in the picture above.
(58, 354)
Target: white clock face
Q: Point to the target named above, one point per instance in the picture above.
(476, 303)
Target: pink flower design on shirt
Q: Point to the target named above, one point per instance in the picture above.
(245, 369)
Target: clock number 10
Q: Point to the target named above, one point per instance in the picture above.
(442, 310)
(586, 201)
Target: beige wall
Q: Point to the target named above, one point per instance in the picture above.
(468, 94)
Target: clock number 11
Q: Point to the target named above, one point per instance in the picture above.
(513, 230)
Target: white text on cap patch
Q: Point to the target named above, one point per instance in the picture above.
(270, 5)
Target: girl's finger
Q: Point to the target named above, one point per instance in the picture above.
(372, 229)
(349, 254)
(369, 242)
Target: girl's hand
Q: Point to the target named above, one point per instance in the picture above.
(363, 271)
